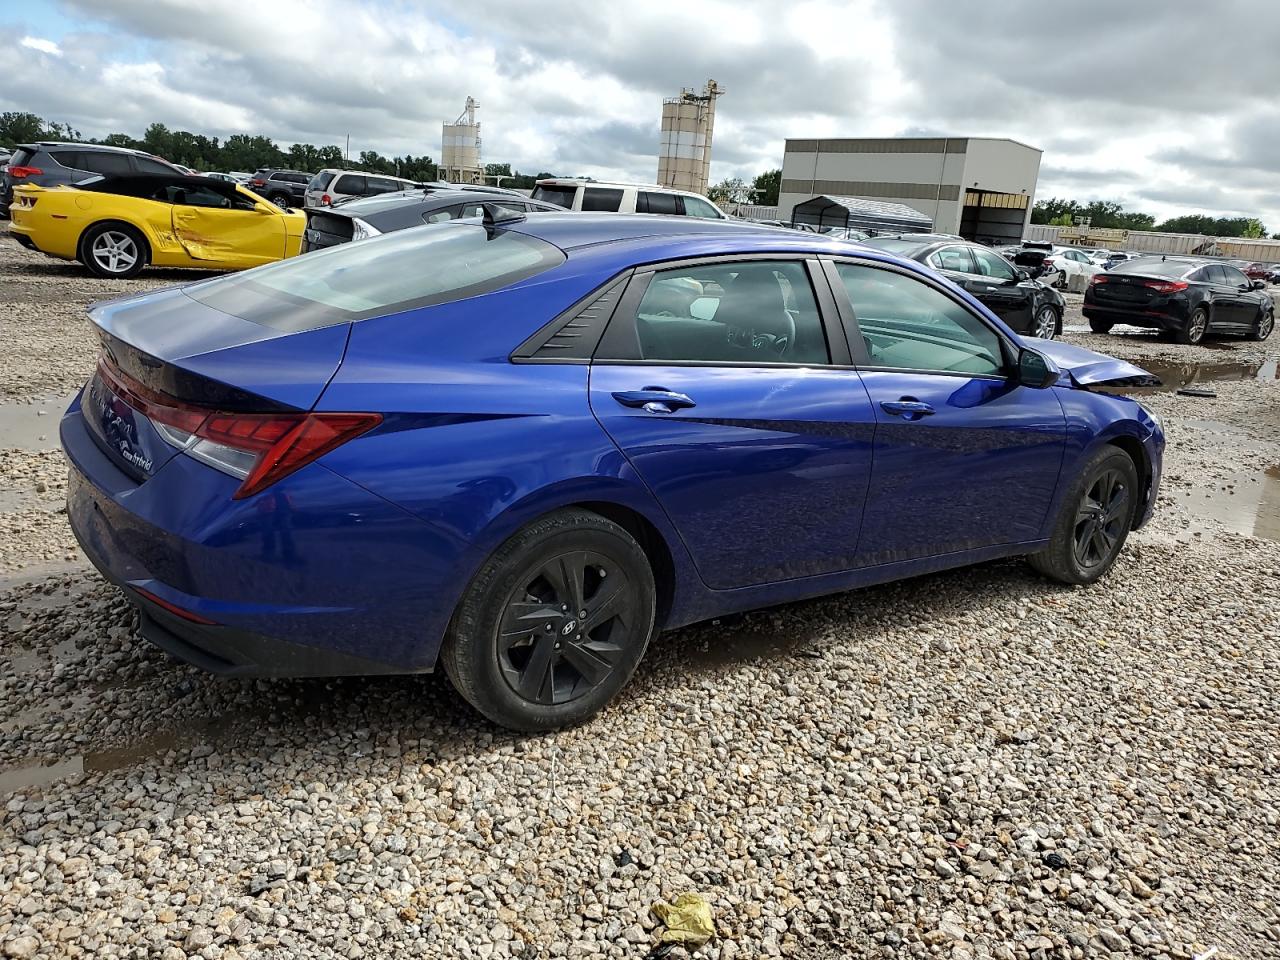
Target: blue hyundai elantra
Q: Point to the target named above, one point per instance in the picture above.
(520, 447)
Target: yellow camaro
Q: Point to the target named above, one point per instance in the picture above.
(117, 225)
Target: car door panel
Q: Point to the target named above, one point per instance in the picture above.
(964, 457)
(230, 238)
(761, 466)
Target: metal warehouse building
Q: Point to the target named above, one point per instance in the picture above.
(977, 187)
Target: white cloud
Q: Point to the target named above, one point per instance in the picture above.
(44, 46)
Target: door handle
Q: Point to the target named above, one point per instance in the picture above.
(654, 399)
(907, 408)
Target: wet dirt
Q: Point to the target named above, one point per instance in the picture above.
(1175, 376)
(32, 426)
(1247, 504)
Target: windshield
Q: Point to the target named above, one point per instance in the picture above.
(382, 275)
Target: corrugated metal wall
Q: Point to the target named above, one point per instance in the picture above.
(1185, 244)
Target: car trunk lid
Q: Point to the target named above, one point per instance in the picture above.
(164, 348)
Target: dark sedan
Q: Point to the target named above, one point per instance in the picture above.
(1028, 306)
(1189, 299)
(371, 216)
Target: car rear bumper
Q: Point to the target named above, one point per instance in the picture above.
(1172, 319)
(313, 577)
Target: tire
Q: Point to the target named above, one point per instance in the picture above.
(1060, 281)
(1098, 325)
(281, 200)
(1197, 326)
(1047, 323)
(549, 672)
(1263, 326)
(113, 250)
(1094, 521)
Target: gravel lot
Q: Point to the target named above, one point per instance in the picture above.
(973, 764)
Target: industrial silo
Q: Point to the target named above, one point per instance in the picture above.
(684, 148)
(460, 148)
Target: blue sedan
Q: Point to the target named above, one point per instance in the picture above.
(518, 448)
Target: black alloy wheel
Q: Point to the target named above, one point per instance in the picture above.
(564, 629)
(1102, 519)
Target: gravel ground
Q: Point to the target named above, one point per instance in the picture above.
(973, 764)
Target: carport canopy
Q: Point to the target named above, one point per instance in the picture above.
(873, 216)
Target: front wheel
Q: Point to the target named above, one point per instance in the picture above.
(1047, 323)
(554, 624)
(1094, 520)
(1197, 325)
(1263, 326)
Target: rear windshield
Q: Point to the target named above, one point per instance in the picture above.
(561, 196)
(21, 157)
(320, 181)
(896, 245)
(1158, 268)
(382, 275)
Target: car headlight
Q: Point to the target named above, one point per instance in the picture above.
(363, 231)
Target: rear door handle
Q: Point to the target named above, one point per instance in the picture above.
(654, 399)
(907, 408)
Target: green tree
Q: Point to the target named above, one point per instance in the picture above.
(1200, 223)
(1063, 220)
(766, 187)
(16, 128)
(731, 190)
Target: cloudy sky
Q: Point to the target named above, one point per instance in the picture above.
(1168, 106)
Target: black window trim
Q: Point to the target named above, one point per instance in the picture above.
(858, 349)
(618, 331)
(526, 352)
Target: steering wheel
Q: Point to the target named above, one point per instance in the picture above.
(783, 344)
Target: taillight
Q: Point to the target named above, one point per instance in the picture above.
(326, 200)
(1098, 278)
(21, 173)
(257, 182)
(1166, 286)
(257, 448)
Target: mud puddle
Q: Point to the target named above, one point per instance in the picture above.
(1247, 504)
(1176, 376)
(32, 426)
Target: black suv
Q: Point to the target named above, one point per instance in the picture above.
(284, 188)
(358, 219)
(1028, 306)
(49, 163)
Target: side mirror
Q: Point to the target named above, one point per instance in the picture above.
(1258, 285)
(1023, 275)
(1036, 370)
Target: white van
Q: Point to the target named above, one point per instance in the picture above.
(329, 186)
(603, 197)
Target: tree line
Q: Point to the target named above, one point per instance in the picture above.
(243, 152)
(1105, 213)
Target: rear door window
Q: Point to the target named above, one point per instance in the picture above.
(379, 276)
(561, 196)
(647, 201)
(601, 199)
(350, 183)
(107, 163)
(147, 165)
(374, 185)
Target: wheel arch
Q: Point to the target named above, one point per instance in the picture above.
(1134, 448)
(148, 240)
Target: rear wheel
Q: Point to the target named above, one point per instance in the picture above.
(1263, 326)
(1098, 325)
(1094, 521)
(1047, 323)
(1197, 325)
(554, 624)
(281, 200)
(113, 250)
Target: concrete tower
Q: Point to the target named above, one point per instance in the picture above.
(684, 149)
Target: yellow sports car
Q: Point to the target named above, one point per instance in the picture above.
(117, 225)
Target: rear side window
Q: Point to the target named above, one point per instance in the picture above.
(747, 313)
(559, 195)
(71, 159)
(146, 165)
(382, 275)
(649, 202)
(21, 157)
(375, 185)
(601, 199)
(350, 183)
(907, 324)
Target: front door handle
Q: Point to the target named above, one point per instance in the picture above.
(654, 399)
(908, 408)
